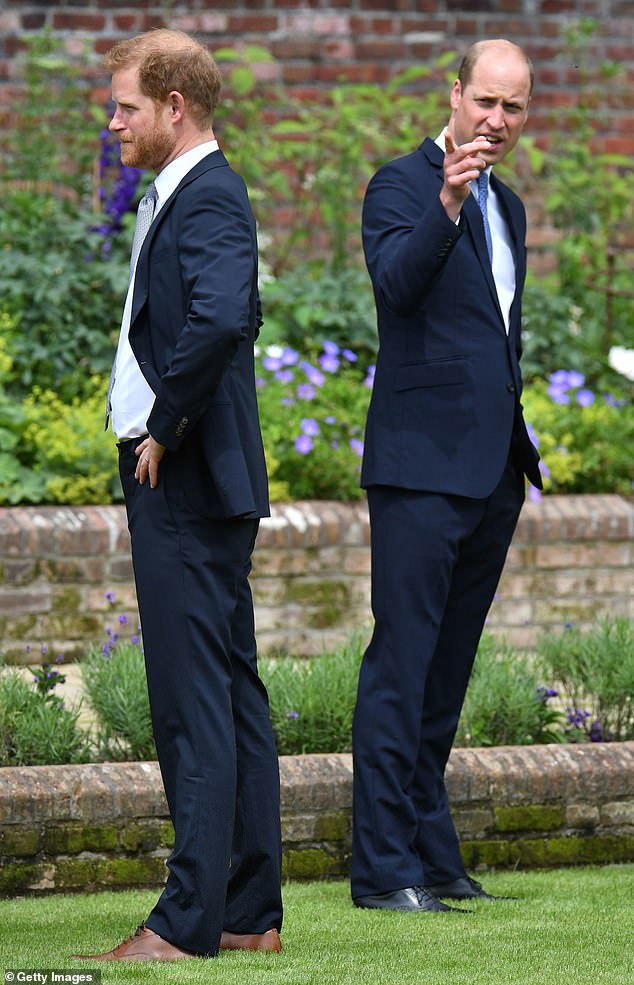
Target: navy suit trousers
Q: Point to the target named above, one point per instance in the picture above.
(436, 562)
(210, 713)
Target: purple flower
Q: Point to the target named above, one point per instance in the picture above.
(109, 596)
(284, 375)
(349, 355)
(369, 380)
(272, 363)
(309, 426)
(585, 398)
(43, 649)
(134, 640)
(532, 434)
(313, 374)
(289, 357)
(260, 383)
(287, 401)
(356, 446)
(28, 647)
(59, 659)
(334, 444)
(543, 468)
(292, 715)
(123, 619)
(331, 348)
(534, 495)
(305, 391)
(558, 394)
(330, 419)
(329, 364)
(303, 444)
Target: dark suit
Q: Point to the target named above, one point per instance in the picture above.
(195, 316)
(445, 454)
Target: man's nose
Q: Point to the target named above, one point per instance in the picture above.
(115, 122)
(495, 118)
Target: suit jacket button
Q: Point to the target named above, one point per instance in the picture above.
(510, 387)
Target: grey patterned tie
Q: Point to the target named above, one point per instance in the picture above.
(483, 194)
(144, 216)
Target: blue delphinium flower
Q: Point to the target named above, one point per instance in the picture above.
(304, 444)
(306, 391)
(309, 426)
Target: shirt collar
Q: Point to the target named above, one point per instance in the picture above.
(170, 177)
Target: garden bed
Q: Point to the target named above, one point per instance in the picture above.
(94, 827)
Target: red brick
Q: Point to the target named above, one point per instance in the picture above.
(126, 22)
(76, 21)
(380, 50)
(252, 24)
(374, 25)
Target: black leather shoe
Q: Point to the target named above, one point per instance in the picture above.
(413, 899)
(463, 888)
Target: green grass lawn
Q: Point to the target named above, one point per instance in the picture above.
(569, 927)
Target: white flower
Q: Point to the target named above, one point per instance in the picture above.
(622, 360)
(275, 351)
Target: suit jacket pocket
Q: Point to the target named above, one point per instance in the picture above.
(441, 372)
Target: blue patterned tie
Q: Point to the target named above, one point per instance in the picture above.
(483, 194)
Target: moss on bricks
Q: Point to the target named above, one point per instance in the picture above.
(490, 854)
(332, 827)
(572, 850)
(67, 600)
(74, 838)
(529, 818)
(307, 863)
(16, 877)
(142, 836)
(166, 835)
(148, 871)
(19, 840)
(327, 601)
(72, 873)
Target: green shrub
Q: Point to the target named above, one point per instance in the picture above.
(585, 438)
(312, 701)
(56, 451)
(62, 275)
(114, 681)
(506, 703)
(35, 727)
(313, 415)
(595, 670)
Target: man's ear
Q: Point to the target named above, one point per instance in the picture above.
(177, 105)
(456, 95)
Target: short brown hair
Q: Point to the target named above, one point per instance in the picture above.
(171, 61)
(474, 51)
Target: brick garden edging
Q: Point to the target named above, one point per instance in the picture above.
(572, 558)
(106, 826)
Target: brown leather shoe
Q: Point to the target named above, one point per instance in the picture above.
(270, 941)
(144, 945)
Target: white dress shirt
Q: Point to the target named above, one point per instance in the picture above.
(132, 397)
(503, 262)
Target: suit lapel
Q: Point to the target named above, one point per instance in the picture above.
(470, 221)
(475, 225)
(214, 160)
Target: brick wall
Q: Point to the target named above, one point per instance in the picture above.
(107, 826)
(318, 42)
(571, 559)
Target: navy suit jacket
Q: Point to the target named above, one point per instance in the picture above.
(446, 398)
(195, 317)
